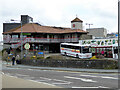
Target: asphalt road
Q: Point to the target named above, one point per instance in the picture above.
(65, 79)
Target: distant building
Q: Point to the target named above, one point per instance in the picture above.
(47, 38)
(24, 18)
(97, 32)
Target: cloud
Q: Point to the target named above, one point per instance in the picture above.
(102, 13)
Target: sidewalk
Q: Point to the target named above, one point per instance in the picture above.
(14, 82)
(66, 69)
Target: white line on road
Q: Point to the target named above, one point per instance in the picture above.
(109, 77)
(30, 69)
(2, 72)
(42, 82)
(91, 87)
(46, 78)
(99, 76)
(82, 79)
(88, 75)
(33, 81)
(21, 75)
(61, 81)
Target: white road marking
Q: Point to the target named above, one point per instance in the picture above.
(82, 79)
(11, 76)
(46, 78)
(61, 81)
(42, 82)
(99, 76)
(109, 77)
(30, 69)
(33, 81)
(88, 75)
(2, 73)
(28, 78)
(64, 82)
(91, 87)
(21, 75)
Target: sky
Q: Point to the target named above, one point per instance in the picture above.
(60, 13)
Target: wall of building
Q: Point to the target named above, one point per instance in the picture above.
(97, 32)
(9, 26)
(85, 36)
(26, 19)
(78, 25)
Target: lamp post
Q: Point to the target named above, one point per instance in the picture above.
(20, 37)
(118, 42)
(89, 24)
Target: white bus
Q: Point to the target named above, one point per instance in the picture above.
(108, 45)
(75, 50)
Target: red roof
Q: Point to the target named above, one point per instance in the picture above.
(76, 20)
(34, 28)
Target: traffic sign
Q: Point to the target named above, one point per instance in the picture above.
(27, 46)
(40, 53)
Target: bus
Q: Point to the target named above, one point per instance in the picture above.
(108, 45)
(75, 50)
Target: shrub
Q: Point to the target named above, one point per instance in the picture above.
(94, 57)
(40, 57)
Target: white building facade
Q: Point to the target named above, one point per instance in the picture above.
(97, 32)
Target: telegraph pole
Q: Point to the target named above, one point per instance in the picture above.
(118, 43)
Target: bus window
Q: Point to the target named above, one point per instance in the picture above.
(85, 50)
(116, 51)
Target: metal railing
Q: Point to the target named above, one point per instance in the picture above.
(38, 40)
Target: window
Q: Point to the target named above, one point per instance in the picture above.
(86, 49)
(73, 25)
(115, 50)
(14, 36)
(71, 47)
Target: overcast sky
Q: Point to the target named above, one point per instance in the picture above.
(100, 13)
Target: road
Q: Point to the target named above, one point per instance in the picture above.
(65, 79)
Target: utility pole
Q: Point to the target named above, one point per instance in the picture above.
(118, 42)
(20, 38)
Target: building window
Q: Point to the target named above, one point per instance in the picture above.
(73, 25)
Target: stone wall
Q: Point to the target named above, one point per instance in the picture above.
(94, 64)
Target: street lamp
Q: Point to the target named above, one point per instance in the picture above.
(20, 37)
(89, 24)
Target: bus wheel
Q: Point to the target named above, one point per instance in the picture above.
(65, 53)
(77, 56)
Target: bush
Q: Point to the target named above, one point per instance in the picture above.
(40, 57)
(99, 56)
(34, 57)
(94, 57)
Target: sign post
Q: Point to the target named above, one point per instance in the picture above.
(27, 46)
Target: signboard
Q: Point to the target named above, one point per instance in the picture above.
(99, 42)
(26, 33)
(40, 52)
(27, 46)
